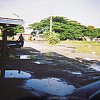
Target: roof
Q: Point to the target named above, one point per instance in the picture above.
(11, 21)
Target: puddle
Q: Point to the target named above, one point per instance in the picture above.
(43, 62)
(74, 73)
(22, 56)
(34, 52)
(95, 77)
(37, 62)
(14, 74)
(95, 66)
(87, 59)
(52, 86)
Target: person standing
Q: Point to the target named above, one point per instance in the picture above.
(21, 40)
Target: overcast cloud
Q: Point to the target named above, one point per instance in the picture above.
(87, 12)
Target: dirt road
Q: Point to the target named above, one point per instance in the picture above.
(62, 49)
(42, 65)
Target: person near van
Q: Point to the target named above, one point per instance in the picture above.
(21, 40)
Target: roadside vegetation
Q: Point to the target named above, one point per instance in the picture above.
(84, 46)
(12, 31)
(70, 31)
(65, 28)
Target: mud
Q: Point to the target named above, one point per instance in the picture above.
(39, 66)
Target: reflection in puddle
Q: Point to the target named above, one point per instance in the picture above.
(22, 56)
(95, 77)
(88, 59)
(37, 62)
(52, 86)
(43, 62)
(96, 66)
(47, 61)
(14, 74)
(74, 73)
(27, 56)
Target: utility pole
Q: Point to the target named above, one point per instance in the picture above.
(50, 25)
(51, 17)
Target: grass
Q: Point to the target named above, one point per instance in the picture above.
(84, 46)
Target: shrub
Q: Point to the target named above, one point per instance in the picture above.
(52, 38)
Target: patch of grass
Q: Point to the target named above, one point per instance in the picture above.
(84, 46)
(89, 49)
(49, 54)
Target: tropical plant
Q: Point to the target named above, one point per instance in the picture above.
(13, 30)
(65, 28)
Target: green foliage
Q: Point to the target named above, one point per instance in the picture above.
(1, 31)
(65, 28)
(96, 33)
(46, 35)
(13, 30)
(39, 27)
(18, 29)
(53, 38)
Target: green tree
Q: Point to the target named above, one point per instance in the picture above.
(65, 28)
(13, 30)
(95, 33)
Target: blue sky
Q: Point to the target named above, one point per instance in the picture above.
(87, 12)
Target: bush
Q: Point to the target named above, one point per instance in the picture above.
(52, 38)
(46, 35)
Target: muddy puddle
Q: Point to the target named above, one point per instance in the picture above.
(95, 66)
(53, 77)
(25, 81)
(54, 86)
(14, 74)
(21, 56)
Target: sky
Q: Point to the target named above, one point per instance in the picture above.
(86, 12)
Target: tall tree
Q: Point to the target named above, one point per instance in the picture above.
(66, 28)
